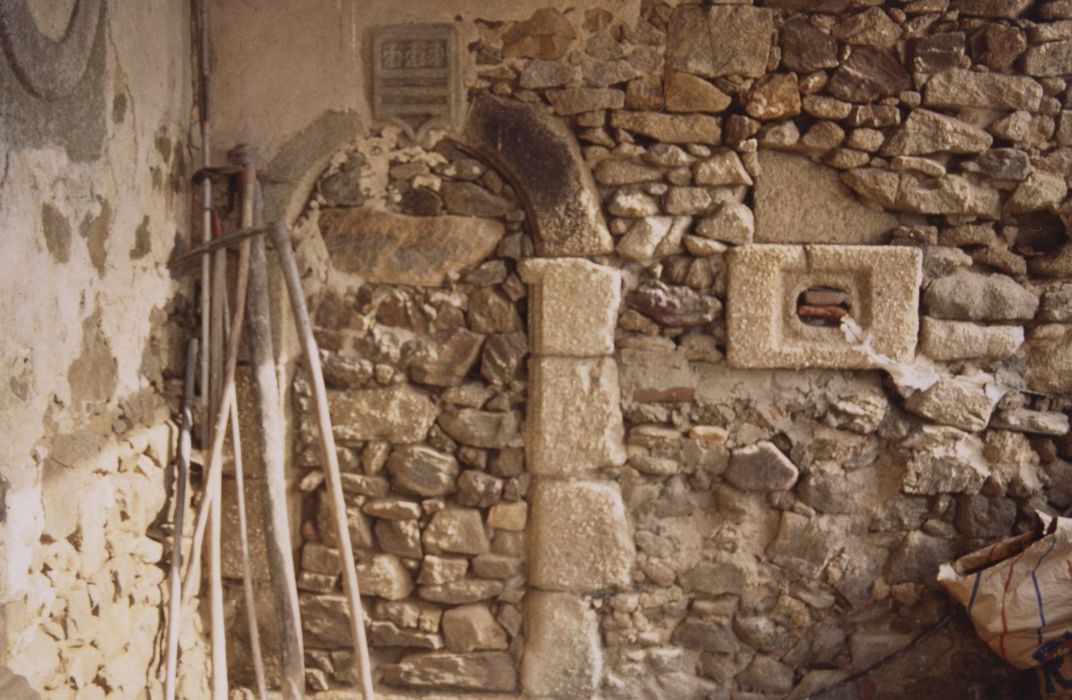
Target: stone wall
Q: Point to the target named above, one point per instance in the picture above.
(95, 105)
(809, 345)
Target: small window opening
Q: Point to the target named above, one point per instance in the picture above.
(823, 306)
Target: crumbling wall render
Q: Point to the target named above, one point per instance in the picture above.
(94, 114)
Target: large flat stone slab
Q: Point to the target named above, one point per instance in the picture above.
(765, 283)
(573, 306)
(720, 40)
(540, 156)
(389, 248)
(798, 201)
(397, 414)
(579, 538)
(563, 652)
(574, 423)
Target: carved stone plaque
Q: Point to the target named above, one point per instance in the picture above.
(416, 76)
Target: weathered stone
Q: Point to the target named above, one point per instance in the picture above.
(459, 530)
(449, 359)
(471, 628)
(632, 204)
(805, 48)
(502, 357)
(387, 634)
(422, 470)
(436, 570)
(385, 576)
(563, 652)
(1022, 420)
(1001, 164)
(326, 621)
(387, 248)
(821, 137)
(539, 75)
(1048, 360)
(343, 188)
(477, 489)
(951, 194)
(689, 93)
(399, 537)
(985, 517)
(719, 40)
(572, 307)
(398, 414)
(960, 402)
(669, 128)
(673, 305)
(868, 74)
(1039, 191)
(776, 96)
(1026, 130)
(1052, 58)
(462, 591)
(707, 635)
(929, 132)
(471, 200)
(937, 52)
(872, 115)
(964, 88)
(786, 180)
(765, 673)
(950, 341)
(693, 201)
(714, 578)
(485, 429)
(1056, 305)
(826, 107)
(732, 223)
(497, 566)
(571, 101)
(970, 296)
(616, 171)
(392, 508)
(722, 168)
(579, 537)
(541, 157)
(917, 558)
(804, 545)
(761, 467)
(490, 311)
(765, 282)
(546, 35)
(364, 485)
(1008, 9)
(484, 671)
(924, 166)
(943, 460)
(574, 423)
(998, 46)
(652, 237)
(345, 372)
(508, 516)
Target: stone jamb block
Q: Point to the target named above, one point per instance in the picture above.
(579, 538)
(573, 306)
(574, 422)
(765, 281)
(563, 654)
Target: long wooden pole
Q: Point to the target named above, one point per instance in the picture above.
(276, 528)
(327, 449)
(249, 184)
(182, 468)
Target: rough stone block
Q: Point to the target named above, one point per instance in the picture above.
(720, 40)
(563, 655)
(573, 306)
(798, 201)
(398, 414)
(575, 419)
(579, 537)
(230, 546)
(951, 341)
(540, 155)
(766, 281)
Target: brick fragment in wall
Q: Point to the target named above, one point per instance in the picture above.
(563, 651)
(579, 538)
(573, 306)
(574, 423)
(763, 329)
